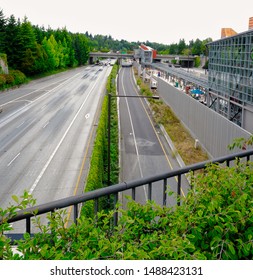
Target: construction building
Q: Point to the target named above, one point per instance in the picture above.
(145, 54)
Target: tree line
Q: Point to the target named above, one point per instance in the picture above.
(194, 47)
(33, 50)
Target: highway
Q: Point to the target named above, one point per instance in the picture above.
(144, 151)
(45, 132)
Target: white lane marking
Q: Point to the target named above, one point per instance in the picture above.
(45, 124)
(135, 142)
(13, 159)
(33, 101)
(20, 125)
(46, 92)
(59, 144)
(87, 116)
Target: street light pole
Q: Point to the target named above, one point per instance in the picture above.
(109, 127)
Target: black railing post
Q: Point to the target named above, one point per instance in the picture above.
(28, 225)
(179, 189)
(95, 206)
(164, 191)
(149, 191)
(52, 217)
(133, 193)
(75, 213)
(115, 215)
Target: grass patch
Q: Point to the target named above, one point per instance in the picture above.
(182, 139)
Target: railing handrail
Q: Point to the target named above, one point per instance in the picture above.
(75, 200)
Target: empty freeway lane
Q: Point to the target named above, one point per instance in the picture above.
(45, 129)
(144, 152)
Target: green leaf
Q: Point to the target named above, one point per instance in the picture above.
(231, 248)
(200, 213)
(15, 198)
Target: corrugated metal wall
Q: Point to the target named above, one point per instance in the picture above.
(213, 131)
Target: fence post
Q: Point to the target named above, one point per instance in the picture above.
(179, 189)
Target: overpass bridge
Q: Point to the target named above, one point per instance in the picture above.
(95, 55)
(160, 57)
(188, 62)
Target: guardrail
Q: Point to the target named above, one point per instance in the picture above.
(75, 201)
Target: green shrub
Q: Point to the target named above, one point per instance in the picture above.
(2, 80)
(9, 79)
(97, 163)
(15, 77)
(19, 77)
(197, 61)
(215, 222)
(97, 177)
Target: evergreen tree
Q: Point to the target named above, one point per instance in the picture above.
(2, 31)
(40, 33)
(181, 46)
(173, 49)
(51, 48)
(197, 47)
(67, 46)
(12, 42)
(27, 48)
(40, 65)
(81, 48)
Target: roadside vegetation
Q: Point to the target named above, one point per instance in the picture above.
(98, 173)
(180, 136)
(215, 222)
(12, 79)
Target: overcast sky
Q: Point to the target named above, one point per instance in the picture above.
(161, 21)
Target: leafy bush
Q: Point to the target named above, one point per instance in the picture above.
(197, 61)
(97, 177)
(19, 77)
(15, 77)
(9, 79)
(25, 201)
(96, 173)
(241, 143)
(214, 222)
(2, 80)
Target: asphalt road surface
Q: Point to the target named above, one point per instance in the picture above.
(45, 131)
(144, 151)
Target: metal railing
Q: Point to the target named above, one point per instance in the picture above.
(189, 77)
(75, 201)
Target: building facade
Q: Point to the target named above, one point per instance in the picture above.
(147, 54)
(230, 78)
